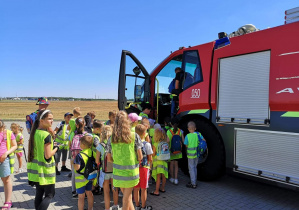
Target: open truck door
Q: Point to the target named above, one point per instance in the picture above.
(133, 83)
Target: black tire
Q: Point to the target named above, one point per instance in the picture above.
(214, 165)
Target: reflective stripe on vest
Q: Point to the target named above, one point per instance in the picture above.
(62, 139)
(40, 170)
(192, 145)
(80, 180)
(20, 146)
(11, 156)
(125, 165)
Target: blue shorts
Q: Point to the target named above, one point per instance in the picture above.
(5, 168)
(87, 187)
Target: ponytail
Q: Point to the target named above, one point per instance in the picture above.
(81, 123)
(32, 133)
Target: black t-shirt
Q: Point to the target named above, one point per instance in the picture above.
(180, 77)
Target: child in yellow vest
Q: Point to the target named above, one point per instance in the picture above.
(174, 157)
(160, 167)
(97, 130)
(83, 186)
(121, 148)
(191, 142)
(144, 170)
(17, 131)
(106, 176)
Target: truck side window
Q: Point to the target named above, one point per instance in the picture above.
(167, 74)
(192, 67)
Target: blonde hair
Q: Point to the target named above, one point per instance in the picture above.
(159, 135)
(122, 128)
(17, 126)
(77, 111)
(106, 133)
(140, 130)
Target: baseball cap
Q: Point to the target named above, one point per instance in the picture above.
(42, 100)
(151, 121)
(134, 117)
(68, 113)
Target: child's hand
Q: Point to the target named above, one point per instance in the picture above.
(3, 157)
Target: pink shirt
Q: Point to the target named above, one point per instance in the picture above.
(3, 145)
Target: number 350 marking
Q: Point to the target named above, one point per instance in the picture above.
(195, 93)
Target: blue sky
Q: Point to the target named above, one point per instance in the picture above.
(73, 48)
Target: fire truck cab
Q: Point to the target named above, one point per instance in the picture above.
(243, 94)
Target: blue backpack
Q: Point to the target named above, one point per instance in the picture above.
(202, 146)
(176, 142)
(171, 86)
(30, 120)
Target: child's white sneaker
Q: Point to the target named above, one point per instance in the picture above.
(147, 208)
(171, 180)
(115, 207)
(176, 181)
(137, 207)
(20, 170)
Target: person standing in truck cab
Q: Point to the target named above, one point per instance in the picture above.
(176, 89)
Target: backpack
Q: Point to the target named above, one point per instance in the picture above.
(171, 86)
(202, 147)
(60, 128)
(76, 141)
(107, 167)
(163, 151)
(144, 161)
(90, 172)
(176, 142)
(30, 119)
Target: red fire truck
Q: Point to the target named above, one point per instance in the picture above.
(243, 94)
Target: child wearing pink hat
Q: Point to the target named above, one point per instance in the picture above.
(134, 118)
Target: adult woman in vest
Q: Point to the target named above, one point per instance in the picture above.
(8, 145)
(121, 149)
(41, 164)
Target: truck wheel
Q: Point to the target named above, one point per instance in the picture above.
(214, 165)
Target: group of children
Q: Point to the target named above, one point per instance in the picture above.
(151, 151)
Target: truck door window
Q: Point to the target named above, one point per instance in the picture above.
(191, 65)
(134, 81)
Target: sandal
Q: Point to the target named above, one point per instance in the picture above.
(9, 205)
(153, 193)
(162, 191)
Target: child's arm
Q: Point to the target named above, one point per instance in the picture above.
(147, 139)
(150, 158)
(139, 155)
(98, 157)
(109, 157)
(76, 167)
(154, 151)
(21, 140)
